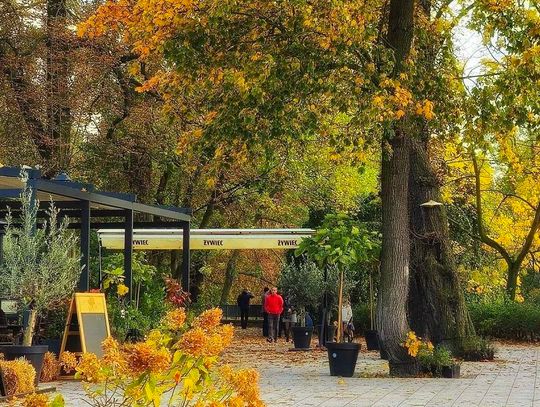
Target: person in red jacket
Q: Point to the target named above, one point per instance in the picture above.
(273, 305)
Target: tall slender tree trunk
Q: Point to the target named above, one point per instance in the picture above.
(392, 321)
(437, 308)
(230, 275)
(511, 280)
(59, 119)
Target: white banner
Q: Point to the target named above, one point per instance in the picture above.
(199, 240)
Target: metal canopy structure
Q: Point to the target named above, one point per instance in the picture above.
(85, 207)
(206, 239)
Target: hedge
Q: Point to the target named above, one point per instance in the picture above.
(510, 320)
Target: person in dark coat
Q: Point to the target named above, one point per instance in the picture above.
(266, 292)
(243, 303)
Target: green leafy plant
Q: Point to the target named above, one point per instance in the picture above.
(341, 241)
(433, 359)
(303, 283)
(113, 270)
(442, 357)
(475, 348)
(40, 269)
(338, 247)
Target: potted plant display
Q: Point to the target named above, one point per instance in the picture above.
(302, 284)
(342, 355)
(445, 364)
(338, 246)
(372, 336)
(39, 271)
(438, 361)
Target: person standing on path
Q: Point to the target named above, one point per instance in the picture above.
(347, 320)
(266, 292)
(243, 303)
(274, 307)
(289, 318)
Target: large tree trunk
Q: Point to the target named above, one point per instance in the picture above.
(437, 307)
(394, 285)
(392, 320)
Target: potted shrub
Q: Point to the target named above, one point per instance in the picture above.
(342, 355)
(445, 364)
(339, 246)
(372, 335)
(475, 348)
(39, 271)
(302, 283)
(436, 360)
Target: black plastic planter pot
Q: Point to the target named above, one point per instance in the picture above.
(342, 358)
(372, 340)
(33, 354)
(451, 372)
(302, 336)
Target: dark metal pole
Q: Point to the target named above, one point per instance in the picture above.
(186, 258)
(84, 281)
(324, 323)
(128, 252)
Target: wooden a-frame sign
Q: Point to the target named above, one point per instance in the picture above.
(87, 324)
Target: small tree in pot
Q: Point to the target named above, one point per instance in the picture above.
(40, 270)
(302, 282)
(341, 244)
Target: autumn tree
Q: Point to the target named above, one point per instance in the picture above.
(246, 74)
(502, 133)
(436, 306)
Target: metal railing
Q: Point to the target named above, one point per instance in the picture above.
(231, 312)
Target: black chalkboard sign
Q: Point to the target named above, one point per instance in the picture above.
(87, 324)
(95, 331)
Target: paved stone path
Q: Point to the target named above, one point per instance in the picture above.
(511, 380)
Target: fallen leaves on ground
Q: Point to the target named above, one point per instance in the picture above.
(250, 348)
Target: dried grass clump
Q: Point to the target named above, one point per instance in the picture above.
(19, 376)
(51, 368)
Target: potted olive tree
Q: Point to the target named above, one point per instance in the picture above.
(341, 244)
(302, 282)
(40, 270)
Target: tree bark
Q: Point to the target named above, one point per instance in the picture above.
(28, 335)
(511, 280)
(437, 308)
(392, 320)
(394, 284)
(230, 274)
(59, 120)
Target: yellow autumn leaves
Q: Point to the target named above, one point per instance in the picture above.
(179, 360)
(397, 101)
(415, 344)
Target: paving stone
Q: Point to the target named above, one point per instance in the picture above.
(512, 380)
